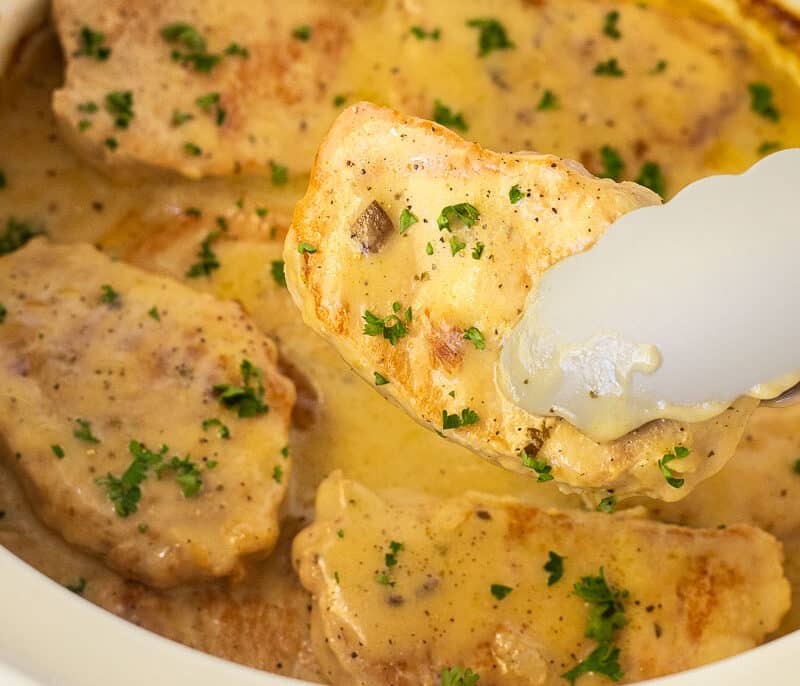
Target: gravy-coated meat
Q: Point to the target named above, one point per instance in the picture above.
(147, 423)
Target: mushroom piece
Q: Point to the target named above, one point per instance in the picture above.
(372, 228)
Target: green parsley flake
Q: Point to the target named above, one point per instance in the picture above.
(180, 118)
(679, 452)
(651, 177)
(3, 313)
(262, 211)
(454, 421)
(610, 27)
(58, 451)
(796, 466)
(285, 451)
(193, 212)
(499, 591)
(391, 327)
(188, 37)
(390, 558)
(224, 432)
(153, 313)
(277, 269)
(247, 400)
(541, 467)
(78, 588)
(477, 251)
(660, 68)
(613, 166)
(210, 103)
(607, 504)
(339, 100)
(277, 474)
(84, 124)
(109, 296)
(340, 533)
(609, 68)
(456, 245)
(474, 335)
(207, 259)
(456, 676)
(304, 247)
(515, 194)
(84, 431)
(119, 104)
(767, 147)
(602, 660)
(421, 34)
(125, 491)
(280, 174)
(91, 44)
(302, 33)
(407, 220)
(16, 235)
(88, 107)
(467, 213)
(187, 474)
(554, 567)
(236, 50)
(111, 143)
(549, 101)
(142, 528)
(192, 149)
(761, 101)
(607, 613)
(443, 115)
(211, 464)
(429, 248)
(492, 36)
(3, 180)
(380, 379)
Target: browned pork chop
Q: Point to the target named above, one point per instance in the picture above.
(147, 422)
(405, 587)
(415, 252)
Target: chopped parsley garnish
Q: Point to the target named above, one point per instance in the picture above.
(187, 474)
(679, 452)
(58, 451)
(236, 50)
(109, 296)
(515, 194)
(456, 245)
(549, 101)
(210, 102)
(285, 451)
(247, 400)
(456, 676)
(602, 660)
(340, 533)
(768, 147)
(119, 104)
(429, 248)
(91, 44)
(492, 35)
(188, 37)
(443, 115)
(609, 68)
(224, 432)
(277, 269)
(193, 212)
(611, 25)
(88, 107)
(390, 558)
(111, 143)
(78, 588)
(302, 33)
(84, 124)
(3, 313)
(652, 178)
(304, 247)
(761, 101)
(391, 327)
(467, 213)
(211, 464)
(421, 34)
(474, 335)
(661, 66)
(277, 474)
(477, 251)
(339, 100)
(16, 235)
(541, 467)
(499, 591)
(407, 220)
(380, 379)
(192, 149)
(280, 174)
(554, 567)
(262, 211)
(607, 504)
(796, 466)
(607, 613)
(84, 431)
(613, 165)
(384, 580)
(125, 491)
(207, 260)
(454, 421)
(180, 118)
(153, 313)
(142, 528)
(3, 180)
